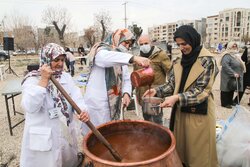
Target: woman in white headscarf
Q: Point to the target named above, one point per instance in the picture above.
(232, 68)
(49, 137)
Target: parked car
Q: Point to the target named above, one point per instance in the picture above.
(3, 55)
(19, 52)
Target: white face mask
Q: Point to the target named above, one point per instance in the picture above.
(123, 48)
(145, 48)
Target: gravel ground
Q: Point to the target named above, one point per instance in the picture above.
(10, 145)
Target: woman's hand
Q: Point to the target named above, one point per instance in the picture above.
(170, 101)
(84, 116)
(142, 61)
(46, 73)
(236, 75)
(125, 100)
(149, 93)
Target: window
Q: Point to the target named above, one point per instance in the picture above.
(227, 18)
(238, 19)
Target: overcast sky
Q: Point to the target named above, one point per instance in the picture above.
(145, 13)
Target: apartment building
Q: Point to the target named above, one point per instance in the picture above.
(229, 24)
(212, 31)
(165, 32)
(234, 24)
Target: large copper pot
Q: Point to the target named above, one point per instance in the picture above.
(140, 144)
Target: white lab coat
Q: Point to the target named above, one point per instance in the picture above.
(48, 142)
(96, 92)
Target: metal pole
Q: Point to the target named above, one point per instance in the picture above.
(237, 84)
(125, 13)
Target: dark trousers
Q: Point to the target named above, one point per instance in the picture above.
(83, 59)
(72, 68)
(226, 98)
(67, 64)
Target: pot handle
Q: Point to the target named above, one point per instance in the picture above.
(89, 164)
(83, 163)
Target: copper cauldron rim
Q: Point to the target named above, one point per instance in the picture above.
(160, 157)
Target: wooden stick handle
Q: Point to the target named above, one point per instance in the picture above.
(89, 124)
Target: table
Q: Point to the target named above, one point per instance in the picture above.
(10, 90)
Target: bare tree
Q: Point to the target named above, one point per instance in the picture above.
(59, 18)
(23, 30)
(137, 31)
(90, 36)
(102, 24)
(71, 39)
(47, 35)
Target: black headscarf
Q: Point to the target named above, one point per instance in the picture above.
(193, 38)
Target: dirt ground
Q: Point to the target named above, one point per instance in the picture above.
(10, 145)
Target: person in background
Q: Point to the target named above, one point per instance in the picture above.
(246, 76)
(232, 68)
(67, 62)
(109, 84)
(70, 56)
(81, 53)
(169, 49)
(160, 64)
(188, 91)
(49, 137)
(220, 47)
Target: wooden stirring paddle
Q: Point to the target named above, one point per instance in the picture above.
(89, 124)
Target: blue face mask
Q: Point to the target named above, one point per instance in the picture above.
(145, 48)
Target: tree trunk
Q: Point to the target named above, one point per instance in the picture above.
(60, 33)
(103, 30)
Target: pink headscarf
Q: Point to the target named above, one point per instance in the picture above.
(121, 35)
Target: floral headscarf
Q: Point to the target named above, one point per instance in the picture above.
(50, 52)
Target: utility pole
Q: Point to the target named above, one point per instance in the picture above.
(3, 27)
(125, 12)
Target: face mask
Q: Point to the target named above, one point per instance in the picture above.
(123, 48)
(145, 48)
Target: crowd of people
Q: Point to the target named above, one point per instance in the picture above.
(185, 83)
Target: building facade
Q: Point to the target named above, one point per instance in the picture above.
(212, 31)
(234, 25)
(228, 25)
(165, 32)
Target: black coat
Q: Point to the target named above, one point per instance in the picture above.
(246, 77)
